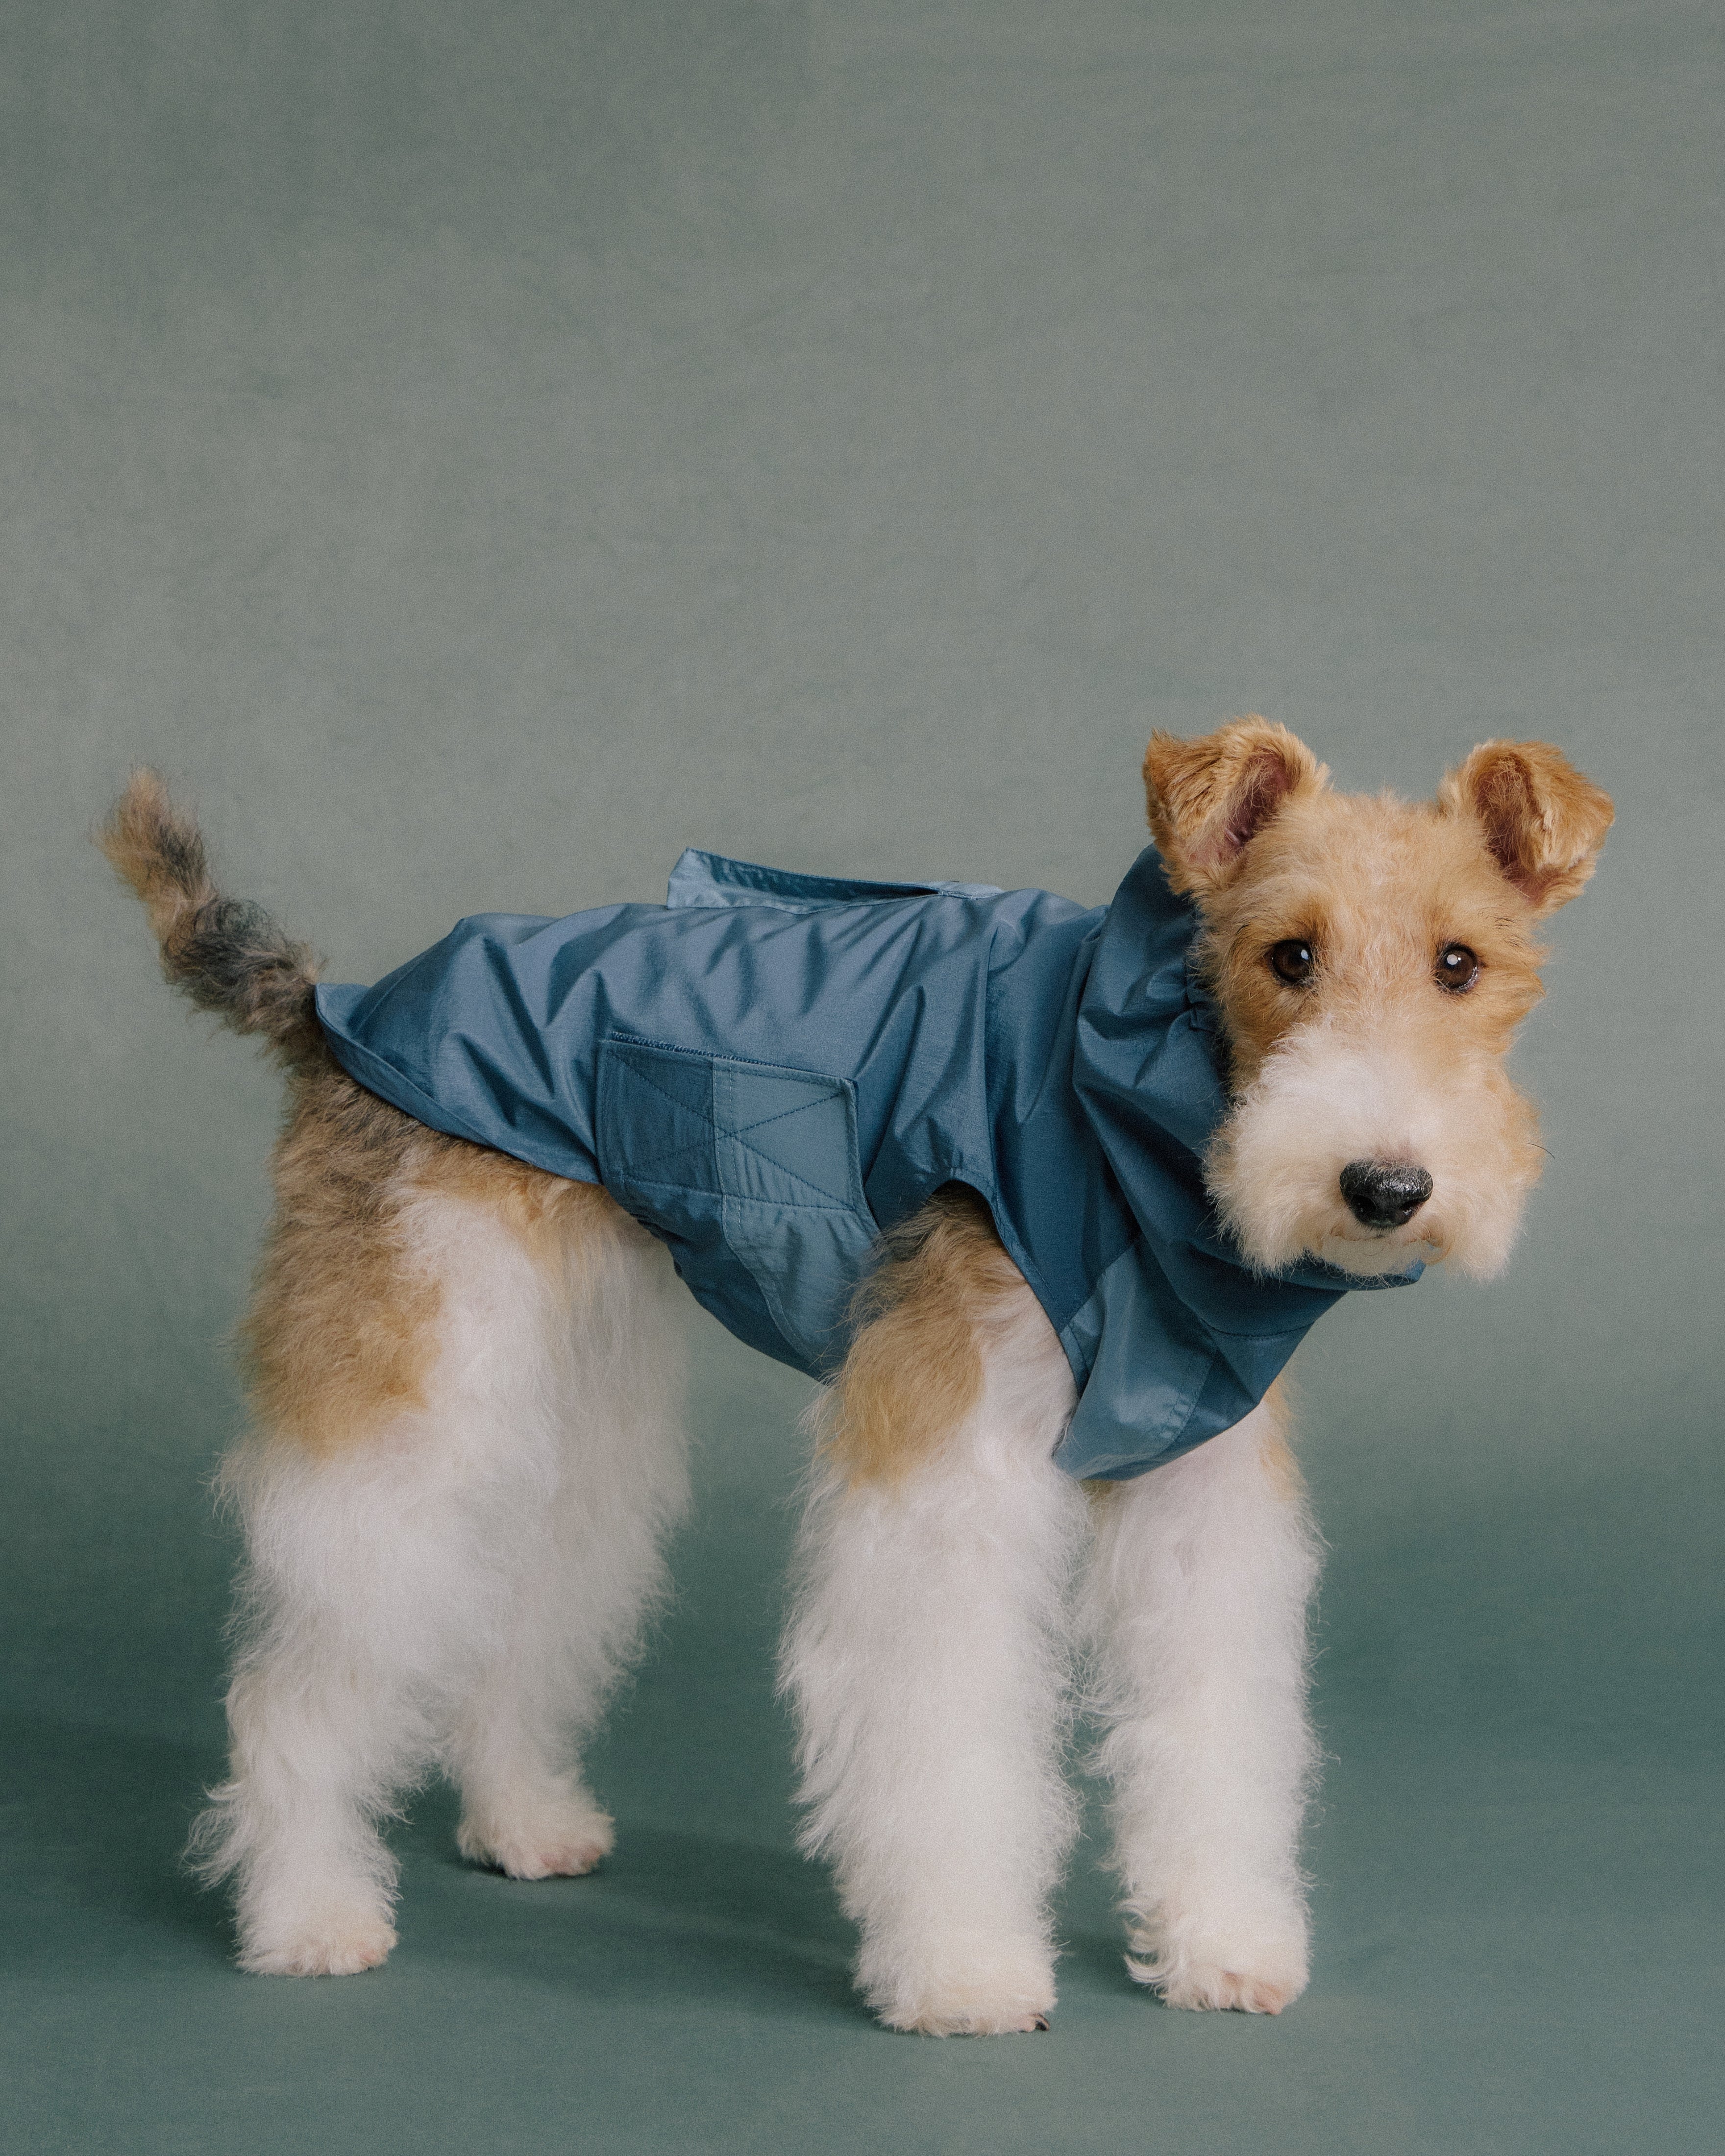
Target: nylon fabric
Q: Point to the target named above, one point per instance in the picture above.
(772, 1067)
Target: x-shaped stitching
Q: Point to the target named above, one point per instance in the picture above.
(761, 1123)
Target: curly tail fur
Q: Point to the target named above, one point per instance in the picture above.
(225, 953)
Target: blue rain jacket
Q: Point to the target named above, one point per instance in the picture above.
(770, 1068)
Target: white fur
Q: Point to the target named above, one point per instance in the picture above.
(460, 1588)
(1195, 1609)
(1326, 1097)
(926, 1660)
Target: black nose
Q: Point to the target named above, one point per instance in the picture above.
(1384, 1193)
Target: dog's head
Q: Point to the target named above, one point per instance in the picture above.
(1371, 960)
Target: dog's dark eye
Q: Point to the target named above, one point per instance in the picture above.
(1293, 961)
(1457, 968)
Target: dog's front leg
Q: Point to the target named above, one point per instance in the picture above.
(1196, 1606)
(926, 1661)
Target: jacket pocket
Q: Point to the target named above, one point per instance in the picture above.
(752, 1161)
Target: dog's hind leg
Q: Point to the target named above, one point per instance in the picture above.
(1196, 1604)
(591, 1560)
(926, 1653)
(408, 1392)
(351, 1614)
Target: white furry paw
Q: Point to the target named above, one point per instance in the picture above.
(1238, 1974)
(331, 1941)
(980, 1994)
(552, 1841)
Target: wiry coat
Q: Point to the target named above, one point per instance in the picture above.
(467, 1452)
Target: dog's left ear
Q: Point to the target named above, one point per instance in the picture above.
(1543, 822)
(1210, 798)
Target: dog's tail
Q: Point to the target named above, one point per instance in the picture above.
(226, 954)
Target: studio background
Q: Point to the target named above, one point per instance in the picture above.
(479, 449)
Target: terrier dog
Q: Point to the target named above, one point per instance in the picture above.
(1048, 1297)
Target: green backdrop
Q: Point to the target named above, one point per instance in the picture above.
(480, 449)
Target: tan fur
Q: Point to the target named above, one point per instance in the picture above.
(340, 1329)
(172, 880)
(1542, 822)
(1208, 797)
(343, 1325)
(1274, 1449)
(1377, 887)
(915, 1368)
(226, 954)
(1377, 884)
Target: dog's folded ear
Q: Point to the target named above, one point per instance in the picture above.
(1208, 797)
(1543, 822)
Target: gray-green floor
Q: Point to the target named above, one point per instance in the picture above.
(482, 449)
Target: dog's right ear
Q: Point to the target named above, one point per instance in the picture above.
(1210, 798)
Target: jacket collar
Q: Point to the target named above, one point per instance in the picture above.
(1148, 1067)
